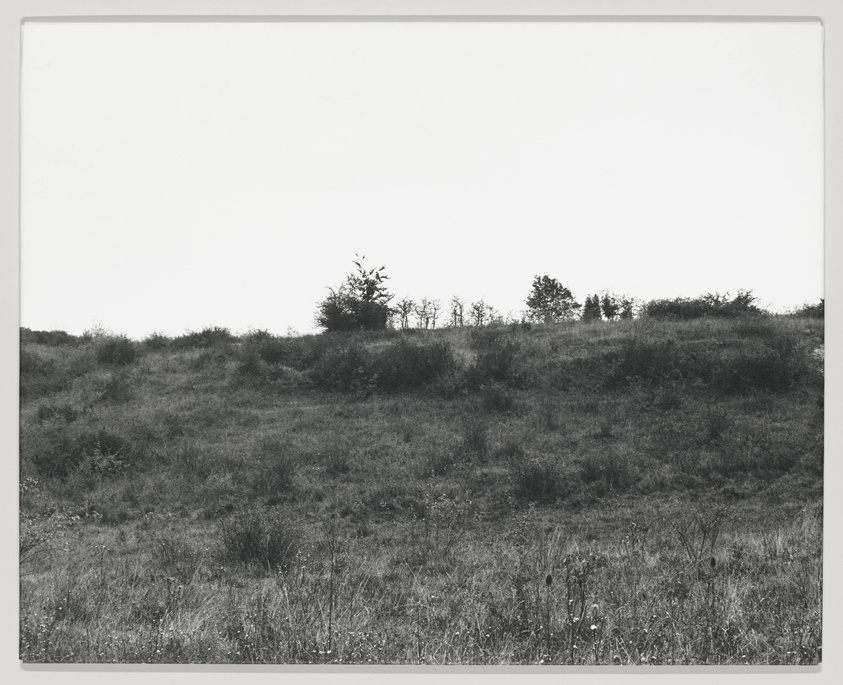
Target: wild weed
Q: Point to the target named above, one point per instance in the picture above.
(496, 397)
(539, 479)
(609, 470)
(259, 539)
(475, 440)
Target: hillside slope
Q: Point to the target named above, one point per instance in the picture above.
(628, 492)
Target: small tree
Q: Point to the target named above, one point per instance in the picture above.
(550, 301)
(493, 316)
(591, 310)
(457, 308)
(627, 307)
(361, 303)
(611, 306)
(404, 308)
(435, 311)
(478, 313)
(423, 313)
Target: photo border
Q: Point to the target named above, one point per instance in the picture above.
(12, 15)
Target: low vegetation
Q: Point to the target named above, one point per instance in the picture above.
(635, 491)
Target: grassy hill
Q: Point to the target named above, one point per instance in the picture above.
(628, 492)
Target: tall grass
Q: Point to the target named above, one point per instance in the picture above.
(635, 492)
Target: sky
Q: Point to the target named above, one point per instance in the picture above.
(183, 175)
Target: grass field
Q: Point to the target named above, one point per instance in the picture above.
(633, 492)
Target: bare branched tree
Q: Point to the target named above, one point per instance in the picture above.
(457, 308)
(423, 311)
(435, 311)
(478, 313)
(404, 308)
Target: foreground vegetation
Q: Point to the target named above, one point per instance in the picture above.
(633, 492)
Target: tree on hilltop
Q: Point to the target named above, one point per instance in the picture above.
(361, 302)
(550, 301)
(591, 310)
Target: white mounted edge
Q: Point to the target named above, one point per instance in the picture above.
(13, 16)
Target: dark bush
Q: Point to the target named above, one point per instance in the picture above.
(52, 338)
(117, 350)
(208, 337)
(57, 453)
(250, 365)
(274, 350)
(538, 479)
(643, 360)
(260, 540)
(156, 341)
(496, 360)
(406, 366)
(49, 412)
(117, 389)
(812, 311)
(346, 368)
(439, 463)
(298, 353)
(31, 363)
(276, 468)
(496, 397)
(608, 471)
(712, 304)
(757, 367)
(211, 358)
(39, 377)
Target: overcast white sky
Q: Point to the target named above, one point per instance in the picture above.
(177, 176)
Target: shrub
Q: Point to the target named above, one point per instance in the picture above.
(668, 400)
(496, 359)
(156, 341)
(51, 338)
(608, 471)
(259, 540)
(347, 368)
(207, 337)
(273, 350)
(360, 303)
(117, 389)
(717, 422)
(57, 453)
(30, 363)
(439, 463)
(406, 366)
(211, 358)
(757, 367)
(299, 353)
(250, 367)
(176, 557)
(39, 377)
(546, 417)
(812, 311)
(496, 397)
(712, 304)
(276, 468)
(475, 436)
(538, 479)
(643, 360)
(54, 453)
(65, 412)
(118, 350)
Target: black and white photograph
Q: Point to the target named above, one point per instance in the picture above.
(422, 342)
